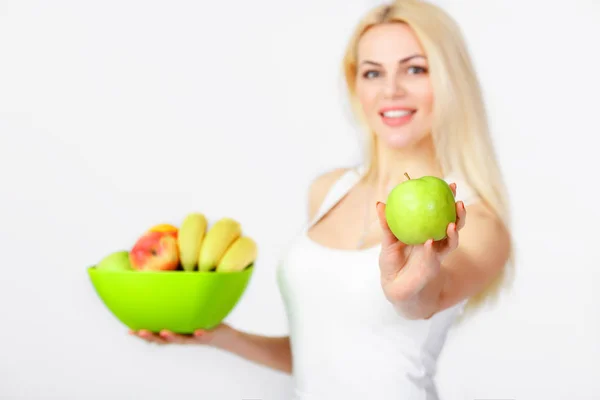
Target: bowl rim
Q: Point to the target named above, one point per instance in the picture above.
(246, 270)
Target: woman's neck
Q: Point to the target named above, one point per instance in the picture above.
(392, 165)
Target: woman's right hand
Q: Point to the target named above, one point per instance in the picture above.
(203, 337)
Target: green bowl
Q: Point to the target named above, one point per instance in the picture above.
(179, 301)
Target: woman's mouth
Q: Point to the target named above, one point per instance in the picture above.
(397, 116)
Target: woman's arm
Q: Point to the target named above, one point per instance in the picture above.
(483, 251)
(270, 351)
(420, 286)
(273, 352)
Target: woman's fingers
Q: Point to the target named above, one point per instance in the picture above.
(453, 188)
(148, 336)
(461, 211)
(166, 337)
(461, 215)
(449, 243)
(171, 337)
(451, 240)
(431, 256)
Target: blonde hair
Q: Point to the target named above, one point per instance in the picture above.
(460, 131)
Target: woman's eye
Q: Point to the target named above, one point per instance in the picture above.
(370, 74)
(416, 70)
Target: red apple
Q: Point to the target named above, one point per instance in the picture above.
(155, 251)
(164, 228)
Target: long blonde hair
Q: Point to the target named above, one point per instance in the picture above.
(460, 131)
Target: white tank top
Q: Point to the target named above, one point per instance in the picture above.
(347, 341)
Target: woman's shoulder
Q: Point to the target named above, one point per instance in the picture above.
(320, 186)
(464, 190)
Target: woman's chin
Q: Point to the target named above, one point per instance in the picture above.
(399, 140)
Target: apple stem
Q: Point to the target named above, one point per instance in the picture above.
(408, 177)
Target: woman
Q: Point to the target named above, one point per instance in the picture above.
(368, 314)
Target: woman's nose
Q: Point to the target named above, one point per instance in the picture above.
(393, 87)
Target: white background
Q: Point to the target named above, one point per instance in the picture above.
(117, 115)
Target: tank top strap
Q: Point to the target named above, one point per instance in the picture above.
(464, 191)
(338, 190)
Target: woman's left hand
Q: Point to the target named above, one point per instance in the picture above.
(406, 269)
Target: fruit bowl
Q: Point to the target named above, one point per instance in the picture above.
(179, 301)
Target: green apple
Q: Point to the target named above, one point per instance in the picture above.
(116, 261)
(420, 209)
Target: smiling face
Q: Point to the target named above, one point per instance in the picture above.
(392, 85)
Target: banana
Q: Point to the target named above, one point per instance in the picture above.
(218, 238)
(238, 256)
(190, 238)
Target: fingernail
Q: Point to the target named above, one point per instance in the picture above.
(198, 333)
(377, 204)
